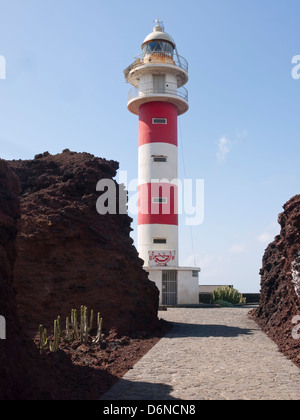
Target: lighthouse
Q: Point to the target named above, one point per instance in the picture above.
(158, 76)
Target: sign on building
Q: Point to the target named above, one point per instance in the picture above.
(161, 258)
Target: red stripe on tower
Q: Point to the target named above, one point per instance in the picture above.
(150, 132)
(158, 204)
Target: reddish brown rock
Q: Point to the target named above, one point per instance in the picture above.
(12, 360)
(280, 283)
(69, 255)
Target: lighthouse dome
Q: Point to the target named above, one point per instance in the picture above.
(158, 37)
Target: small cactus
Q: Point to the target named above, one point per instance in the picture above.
(81, 333)
(74, 323)
(97, 339)
(85, 327)
(91, 321)
(68, 336)
(43, 339)
(54, 345)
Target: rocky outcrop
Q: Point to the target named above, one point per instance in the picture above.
(59, 255)
(69, 255)
(12, 362)
(9, 214)
(280, 283)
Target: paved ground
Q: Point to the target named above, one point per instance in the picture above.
(211, 353)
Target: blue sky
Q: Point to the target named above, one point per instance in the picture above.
(64, 88)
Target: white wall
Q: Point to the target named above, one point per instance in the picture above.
(149, 170)
(146, 81)
(188, 291)
(146, 233)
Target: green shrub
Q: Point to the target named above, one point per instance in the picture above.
(227, 294)
(224, 303)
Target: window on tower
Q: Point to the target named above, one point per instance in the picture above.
(159, 241)
(158, 47)
(159, 120)
(162, 200)
(159, 158)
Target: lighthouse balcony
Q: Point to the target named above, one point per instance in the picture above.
(149, 91)
(144, 62)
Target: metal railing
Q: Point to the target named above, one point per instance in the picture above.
(157, 57)
(149, 88)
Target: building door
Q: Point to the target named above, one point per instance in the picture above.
(158, 84)
(169, 287)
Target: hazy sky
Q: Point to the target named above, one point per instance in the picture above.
(65, 88)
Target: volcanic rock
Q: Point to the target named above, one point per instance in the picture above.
(280, 283)
(69, 255)
(12, 361)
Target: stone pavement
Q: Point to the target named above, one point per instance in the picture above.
(210, 354)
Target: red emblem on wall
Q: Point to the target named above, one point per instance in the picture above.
(161, 258)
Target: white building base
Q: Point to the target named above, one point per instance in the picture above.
(177, 285)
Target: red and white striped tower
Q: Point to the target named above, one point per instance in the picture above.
(158, 96)
(158, 75)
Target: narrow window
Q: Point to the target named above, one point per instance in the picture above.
(163, 200)
(159, 158)
(159, 241)
(195, 273)
(159, 120)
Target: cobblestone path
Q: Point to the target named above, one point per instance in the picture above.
(210, 353)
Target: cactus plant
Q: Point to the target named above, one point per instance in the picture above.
(54, 345)
(67, 336)
(81, 333)
(43, 339)
(85, 326)
(74, 324)
(91, 321)
(97, 339)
